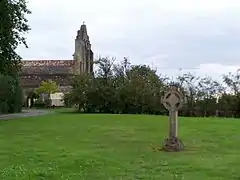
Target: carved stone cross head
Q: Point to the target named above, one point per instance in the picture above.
(173, 99)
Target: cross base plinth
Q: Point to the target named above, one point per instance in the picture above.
(173, 144)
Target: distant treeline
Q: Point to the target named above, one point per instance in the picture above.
(137, 89)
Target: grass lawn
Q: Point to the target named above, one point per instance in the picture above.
(66, 146)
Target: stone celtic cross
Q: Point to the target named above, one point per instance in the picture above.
(173, 101)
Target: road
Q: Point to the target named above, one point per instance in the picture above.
(25, 113)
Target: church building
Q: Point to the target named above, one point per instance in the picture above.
(60, 71)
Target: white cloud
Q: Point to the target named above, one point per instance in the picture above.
(216, 70)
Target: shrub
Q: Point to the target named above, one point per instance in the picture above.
(11, 95)
(39, 104)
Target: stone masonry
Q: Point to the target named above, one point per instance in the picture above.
(36, 71)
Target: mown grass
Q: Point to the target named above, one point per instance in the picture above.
(65, 146)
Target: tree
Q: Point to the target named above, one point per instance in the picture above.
(80, 89)
(188, 83)
(232, 80)
(105, 67)
(228, 105)
(125, 88)
(13, 25)
(48, 87)
(208, 93)
(106, 85)
(144, 90)
(11, 97)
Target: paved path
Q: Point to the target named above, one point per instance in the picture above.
(25, 113)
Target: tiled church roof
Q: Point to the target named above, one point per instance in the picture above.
(47, 66)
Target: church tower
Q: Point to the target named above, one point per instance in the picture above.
(83, 55)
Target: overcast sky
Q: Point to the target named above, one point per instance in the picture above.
(201, 34)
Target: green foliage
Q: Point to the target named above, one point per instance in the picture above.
(13, 25)
(39, 104)
(11, 96)
(81, 85)
(118, 88)
(126, 88)
(48, 87)
(67, 100)
(32, 94)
